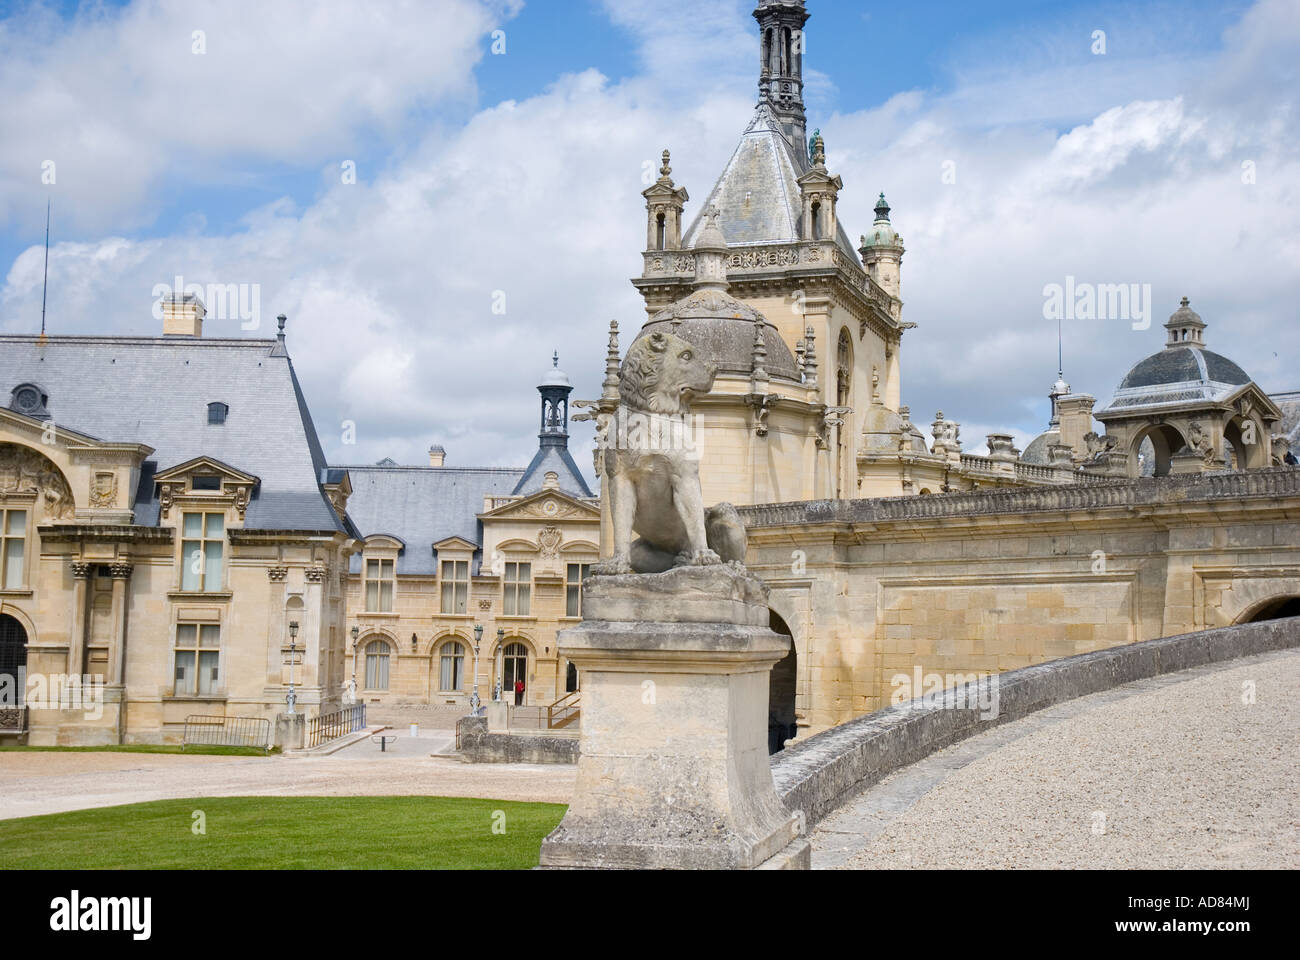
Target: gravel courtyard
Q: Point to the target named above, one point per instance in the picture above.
(35, 783)
(1174, 772)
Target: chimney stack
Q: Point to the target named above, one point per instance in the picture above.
(183, 315)
(437, 455)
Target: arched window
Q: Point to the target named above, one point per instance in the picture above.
(661, 232)
(452, 673)
(13, 646)
(514, 667)
(769, 53)
(789, 55)
(376, 665)
(816, 228)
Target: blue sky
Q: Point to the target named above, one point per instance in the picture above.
(521, 172)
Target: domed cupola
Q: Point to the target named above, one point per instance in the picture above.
(719, 326)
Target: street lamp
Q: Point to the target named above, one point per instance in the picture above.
(501, 636)
(473, 697)
(352, 689)
(293, 655)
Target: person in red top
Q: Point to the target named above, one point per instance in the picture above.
(519, 693)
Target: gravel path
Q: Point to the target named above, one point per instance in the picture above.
(1174, 772)
(36, 783)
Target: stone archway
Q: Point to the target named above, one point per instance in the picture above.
(781, 725)
(1278, 608)
(1165, 441)
(13, 646)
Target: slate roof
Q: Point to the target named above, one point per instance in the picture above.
(1177, 375)
(155, 391)
(422, 506)
(757, 194)
(553, 458)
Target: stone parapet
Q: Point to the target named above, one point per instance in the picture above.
(821, 773)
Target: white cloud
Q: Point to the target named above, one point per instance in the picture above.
(389, 283)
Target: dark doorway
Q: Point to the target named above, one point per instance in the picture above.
(780, 693)
(571, 678)
(1278, 609)
(13, 646)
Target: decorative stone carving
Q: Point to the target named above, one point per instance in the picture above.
(549, 539)
(121, 570)
(103, 491)
(316, 573)
(23, 470)
(1098, 445)
(166, 497)
(652, 474)
(241, 500)
(485, 604)
(80, 571)
(277, 574)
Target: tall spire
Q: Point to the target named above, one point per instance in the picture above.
(780, 77)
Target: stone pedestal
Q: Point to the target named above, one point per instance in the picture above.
(673, 771)
(290, 731)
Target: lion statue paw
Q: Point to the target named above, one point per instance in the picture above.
(613, 567)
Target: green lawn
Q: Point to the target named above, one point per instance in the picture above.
(152, 748)
(295, 833)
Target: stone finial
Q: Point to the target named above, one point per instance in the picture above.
(810, 358)
(609, 390)
(666, 170)
(758, 374)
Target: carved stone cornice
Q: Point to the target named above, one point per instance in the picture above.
(277, 574)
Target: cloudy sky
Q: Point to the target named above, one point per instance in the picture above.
(383, 177)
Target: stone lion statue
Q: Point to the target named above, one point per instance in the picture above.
(651, 466)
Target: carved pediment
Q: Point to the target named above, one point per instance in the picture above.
(545, 505)
(24, 471)
(230, 482)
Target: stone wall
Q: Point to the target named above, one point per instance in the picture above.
(476, 745)
(999, 580)
(821, 773)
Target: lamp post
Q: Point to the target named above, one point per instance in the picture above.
(473, 697)
(293, 655)
(352, 689)
(501, 636)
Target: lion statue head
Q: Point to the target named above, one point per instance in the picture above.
(662, 373)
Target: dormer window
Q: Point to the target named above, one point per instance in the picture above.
(217, 413)
(29, 400)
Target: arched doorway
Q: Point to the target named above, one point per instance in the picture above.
(1277, 609)
(781, 691)
(1165, 442)
(13, 647)
(512, 666)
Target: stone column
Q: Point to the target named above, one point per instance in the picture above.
(77, 640)
(674, 770)
(121, 573)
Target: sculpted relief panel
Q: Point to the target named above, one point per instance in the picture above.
(23, 470)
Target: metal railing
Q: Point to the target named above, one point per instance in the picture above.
(227, 732)
(564, 711)
(331, 726)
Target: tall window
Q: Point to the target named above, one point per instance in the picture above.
(514, 666)
(203, 538)
(376, 665)
(379, 586)
(577, 572)
(455, 586)
(197, 658)
(13, 534)
(518, 589)
(453, 666)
